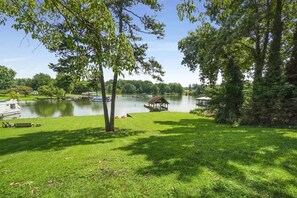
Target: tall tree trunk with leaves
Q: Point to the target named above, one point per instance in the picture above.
(260, 54)
(82, 35)
(274, 63)
(272, 82)
(125, 17)
(115, 75)
(104, 100)
(289, 92)
(229, 110)
(291, 67)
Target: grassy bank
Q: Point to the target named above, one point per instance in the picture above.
(24, 98)
(33, 97)
(150, 155)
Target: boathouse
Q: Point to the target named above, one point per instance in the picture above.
(202, 101)
(157, 103)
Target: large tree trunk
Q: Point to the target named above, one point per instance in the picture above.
(115, 77)
(273, 76)
(260, 54)
(274, 60)
(289, 98)
(104, 101)
(113, 98)
(291, 67)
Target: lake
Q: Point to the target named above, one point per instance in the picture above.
(124, 105)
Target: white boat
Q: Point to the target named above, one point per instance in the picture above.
(9, 107)
(100, 99)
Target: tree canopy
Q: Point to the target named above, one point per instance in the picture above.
(6, 77)
(84, 35)
(258, 36)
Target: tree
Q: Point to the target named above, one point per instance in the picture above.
(41, 79)
(125, 18)
(291, 67)
(64, 82)
(24, 90)
(23, 82)
(82, 34)
(128, 88)
(289, 91)
(47, 90)
(200, 50)
(263, 30)
(229, 110)
(154, 90)
(6, 77)
(81, 86)
(167, 89)
(213, 53)
(197, 89)
(162, 88)
(51, 91)
(146, 86)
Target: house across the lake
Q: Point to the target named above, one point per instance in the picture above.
(157, 103)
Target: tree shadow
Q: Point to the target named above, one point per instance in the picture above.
(57, 140)
(244, 155)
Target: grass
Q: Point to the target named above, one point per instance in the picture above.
(150, 155)
(23, 98)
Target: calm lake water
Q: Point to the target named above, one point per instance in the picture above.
(124, 105)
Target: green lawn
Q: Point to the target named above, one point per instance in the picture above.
(23, 98)
(150, 155)
(33, 97)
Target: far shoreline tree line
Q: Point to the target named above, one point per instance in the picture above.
(58, 87)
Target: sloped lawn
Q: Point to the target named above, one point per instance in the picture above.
(150, 155)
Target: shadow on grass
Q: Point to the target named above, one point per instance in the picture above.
(245, 160)
(56, 140)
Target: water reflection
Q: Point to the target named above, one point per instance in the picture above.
(124, 105)
(48, 108)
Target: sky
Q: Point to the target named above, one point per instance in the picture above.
(28, 57)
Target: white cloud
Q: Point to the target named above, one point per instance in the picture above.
(10, 60)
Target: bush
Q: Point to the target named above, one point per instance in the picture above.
(202, 111)
(13, 95)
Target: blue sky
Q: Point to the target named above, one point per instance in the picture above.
(28, 57)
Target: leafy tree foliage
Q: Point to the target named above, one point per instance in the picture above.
(232, 94)
(263, 34)
(41, 79)
(81, 86)
(128, 89)
(51, 91)
(64, 82)
(131, 25)
(291, 67)
(81, 33)
(24, 90)
(6, 77)
(176, 88)
(199, 49)
(23, 82)
(196, 89)
(146, 87)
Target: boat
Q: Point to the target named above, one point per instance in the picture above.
(100, 99)
(9, 107)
